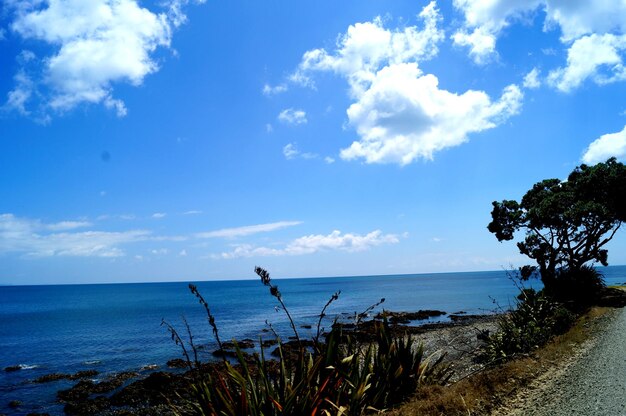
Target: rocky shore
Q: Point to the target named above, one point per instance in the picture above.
(127, 393)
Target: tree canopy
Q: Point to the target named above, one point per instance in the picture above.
(567, 223)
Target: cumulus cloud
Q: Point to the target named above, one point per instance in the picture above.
(291, 116)
(595, 56)
(95, 44)
(591, 32)
(159, 215)
(366, 47)
(399, 112)
(605, 147)
(316, 242)
(37, 239)
(248, 230)
(404, 115)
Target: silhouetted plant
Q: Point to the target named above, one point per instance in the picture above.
(339, 376)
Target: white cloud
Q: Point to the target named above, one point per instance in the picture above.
(275, 89)
(248, 230)
(577, 18)
(67, 225)
(484, 20)
(160, 251)
(606, 146)
(269, 128)
(183, 253)
(36, 239)
(531, 80)
(192, 212)
(291, 151)
(481, 44)
(316, 242)
(399, 112)
(20, 94)
(404, 115)
(592, 32)
(329, 160)
(366, 47)
(159, 215)
(594, 56)
(95, 44)
(291, 116)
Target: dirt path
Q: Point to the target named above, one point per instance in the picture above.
(592, 383)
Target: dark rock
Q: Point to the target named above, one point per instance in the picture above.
(406, 317)
(46, 378)
(83, 374)
(79, 392)
(87, 407)
(14, 404)
(269, 343)
(12, 368)
(243, 344)
(153, 390)
(38, 414)
(307, 326)
(177, 363)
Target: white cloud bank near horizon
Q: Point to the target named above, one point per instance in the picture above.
(314, 243)
(37, 239)
(94, 45)
(399, 112)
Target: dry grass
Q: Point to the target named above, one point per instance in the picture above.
(482, 393)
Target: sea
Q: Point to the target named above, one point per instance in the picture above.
(117, 327)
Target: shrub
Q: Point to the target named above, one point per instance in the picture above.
(579, 287)
(535, 319)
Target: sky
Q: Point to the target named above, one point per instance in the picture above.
(193, 140)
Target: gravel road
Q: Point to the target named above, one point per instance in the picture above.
(594, 384)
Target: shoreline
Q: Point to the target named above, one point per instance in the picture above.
(129, 392)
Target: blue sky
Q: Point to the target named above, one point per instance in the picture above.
(187, 140)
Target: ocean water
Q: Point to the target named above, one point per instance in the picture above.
(116, 327)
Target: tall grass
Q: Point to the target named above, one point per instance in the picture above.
(339, 375)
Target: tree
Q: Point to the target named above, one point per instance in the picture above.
(567, 223)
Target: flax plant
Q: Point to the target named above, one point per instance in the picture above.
(341, 375)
